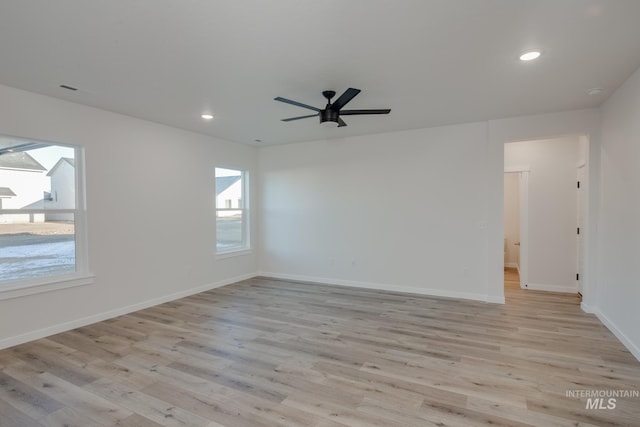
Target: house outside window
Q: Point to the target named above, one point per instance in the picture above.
(42, 214)
(232, 220)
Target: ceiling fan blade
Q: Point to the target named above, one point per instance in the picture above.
(299, 117)
(347, 96)
(356, 112)
(341, 123)
(299, 104)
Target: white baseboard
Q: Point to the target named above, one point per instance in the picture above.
(62, 327)
(385, 287)
(587, 308)
(553, 288)
(633, 348)
(494, 299)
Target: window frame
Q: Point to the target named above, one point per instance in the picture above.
(245, 247)
(81, 275)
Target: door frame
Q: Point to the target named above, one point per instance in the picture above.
(581, 177)
(524, 221)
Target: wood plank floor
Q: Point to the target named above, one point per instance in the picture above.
(265, 352)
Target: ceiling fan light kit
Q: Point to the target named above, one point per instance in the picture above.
(329, 118)
(330, 115)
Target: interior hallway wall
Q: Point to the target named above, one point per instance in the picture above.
(619, 213)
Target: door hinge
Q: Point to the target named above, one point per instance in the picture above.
(577, 276)
(578, 230)
(578, 184)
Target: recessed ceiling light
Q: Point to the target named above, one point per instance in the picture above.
(530, 55)
(207, 116)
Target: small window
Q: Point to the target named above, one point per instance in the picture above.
(232, 222)
(42, 216)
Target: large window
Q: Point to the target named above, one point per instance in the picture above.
(232, 219)
(42, 215)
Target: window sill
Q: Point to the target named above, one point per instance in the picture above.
(31, 287)
(231, 254)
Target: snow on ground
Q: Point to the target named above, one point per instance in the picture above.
(36, 260)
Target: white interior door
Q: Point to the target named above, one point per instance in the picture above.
(524, 229)
(580, 226)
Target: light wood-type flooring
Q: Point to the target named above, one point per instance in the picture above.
(266, 352)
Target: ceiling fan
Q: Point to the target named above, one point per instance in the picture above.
(330, 115)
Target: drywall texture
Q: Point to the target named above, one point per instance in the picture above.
(150, 203)
(402, 210)
(619, 212)
(552, 202)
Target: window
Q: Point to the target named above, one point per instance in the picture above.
(42, 215)
(232, 222)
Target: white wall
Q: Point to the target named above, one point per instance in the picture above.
(512, 218)
(326, 214)
(552, 213)
(619, 214)
(151, 214)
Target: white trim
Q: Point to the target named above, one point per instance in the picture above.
(62, 327)
(495, 300)
(18, 289)
(566, 289)
(385, 287)
(37, 211)
(523, 267)
(587, 308)
(511, 265)
(619, 334)
(234, 253)
(513, 169)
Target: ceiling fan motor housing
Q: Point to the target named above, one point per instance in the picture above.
(329, 116)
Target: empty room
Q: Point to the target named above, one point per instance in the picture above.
(319, 213)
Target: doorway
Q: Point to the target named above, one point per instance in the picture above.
(541, 176)
(516, 225)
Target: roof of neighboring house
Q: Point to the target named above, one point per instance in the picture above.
(20, 160)
(62, 161)
(6, 192)
(224, 182)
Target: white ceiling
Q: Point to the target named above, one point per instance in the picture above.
(433, 62)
